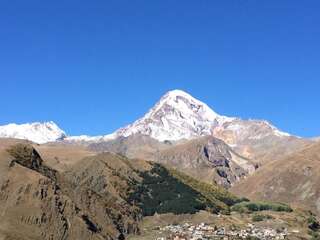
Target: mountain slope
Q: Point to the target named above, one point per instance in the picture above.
(208, 159)
(293, 179)
(35, 203)
(107, 195)
(100, 197)
(36, 132)
(133, 146)
(150, 186)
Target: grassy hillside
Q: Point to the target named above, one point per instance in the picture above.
(148, 185)
(293, 180)
(105, 196)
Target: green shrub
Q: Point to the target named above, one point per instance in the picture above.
(247, 207)
(244, 199)
(260, 217)
(313, 223)
(314, 235)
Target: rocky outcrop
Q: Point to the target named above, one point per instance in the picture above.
(28, 157)
(208, 159)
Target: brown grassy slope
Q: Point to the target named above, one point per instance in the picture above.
(134, 146)
(5, 143)
(33, 206)
(146, 184)
(62, 156)
(92, 199)
(57, 155)
(294, 179)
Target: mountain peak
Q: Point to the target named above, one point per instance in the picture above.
(184, 102)
(177, 115)
(176, 93)
(38, 132)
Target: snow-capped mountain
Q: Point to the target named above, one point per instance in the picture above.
(36, 132)
(179, 116)
(176, 116)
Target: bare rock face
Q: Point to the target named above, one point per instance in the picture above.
(28, 157)
(25, 155)
(208, 159)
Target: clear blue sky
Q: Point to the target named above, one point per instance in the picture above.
(94, 66)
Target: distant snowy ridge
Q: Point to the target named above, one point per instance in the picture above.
(177, 115)
(37, 132)
(86, 138)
